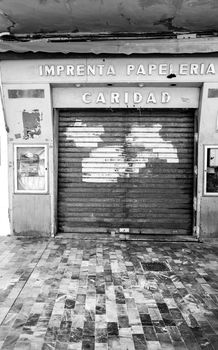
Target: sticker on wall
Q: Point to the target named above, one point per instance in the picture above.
(26, 93)
(212, 93)
(31, 124)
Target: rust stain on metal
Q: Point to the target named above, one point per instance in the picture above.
(31, 124)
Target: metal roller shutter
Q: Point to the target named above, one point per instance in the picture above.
(126, 169)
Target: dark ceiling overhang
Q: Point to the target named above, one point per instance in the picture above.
(108, 16)
(109, 26)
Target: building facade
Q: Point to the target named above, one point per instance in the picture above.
(109, 145)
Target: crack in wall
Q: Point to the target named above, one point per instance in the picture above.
(13, 23)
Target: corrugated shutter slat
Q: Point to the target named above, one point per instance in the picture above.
(126, 169)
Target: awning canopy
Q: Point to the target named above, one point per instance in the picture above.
(126, 47)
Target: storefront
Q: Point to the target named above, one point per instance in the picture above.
(124, 146)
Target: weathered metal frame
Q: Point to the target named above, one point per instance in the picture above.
(55, 175)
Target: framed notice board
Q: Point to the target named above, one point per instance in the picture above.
(211, 170)
(31, 168)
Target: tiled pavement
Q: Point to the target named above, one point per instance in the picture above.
(65, 295)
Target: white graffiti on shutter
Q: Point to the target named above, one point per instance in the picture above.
(104, 164)
(84, 135)
(107, 164)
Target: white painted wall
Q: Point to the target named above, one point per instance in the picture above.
(30, 213)
(4, 222)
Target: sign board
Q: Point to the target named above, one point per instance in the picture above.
(125, 97)
(111, 70)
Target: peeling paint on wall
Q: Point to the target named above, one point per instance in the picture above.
(31, 124)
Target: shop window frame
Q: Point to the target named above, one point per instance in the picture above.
(15, 172)
(205, 192)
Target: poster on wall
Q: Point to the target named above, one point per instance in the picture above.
(211, 171)
(30, 169)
